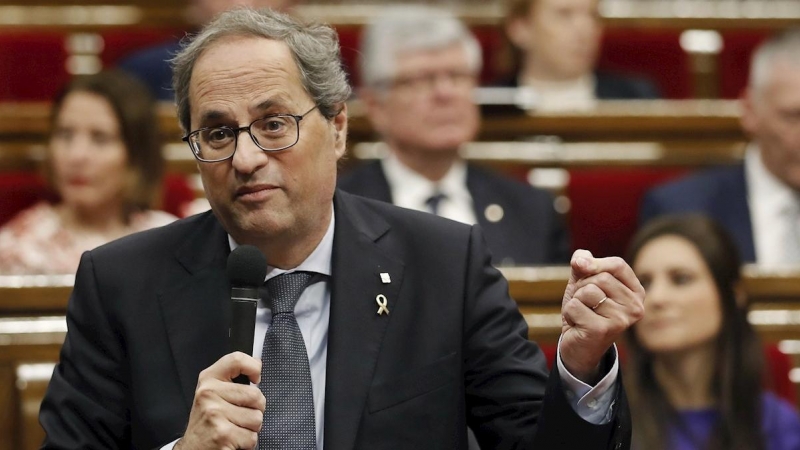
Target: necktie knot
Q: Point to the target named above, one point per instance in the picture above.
(284, 290)
(433, 202)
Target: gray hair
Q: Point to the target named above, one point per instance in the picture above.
(784, 46)
(315, 48)
(408, 28)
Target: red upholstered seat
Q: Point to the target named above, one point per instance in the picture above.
(605, 205)
(734, 59)
(653, 53)
(32, 65)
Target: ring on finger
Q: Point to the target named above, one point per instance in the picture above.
(599, 303)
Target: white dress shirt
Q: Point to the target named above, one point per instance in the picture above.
(593, 404)
(411, 190)
(560, 96)
(770, 201)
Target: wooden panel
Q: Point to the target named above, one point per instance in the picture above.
(9, 418)
(611, 121)
(630, 14)
(34, 295)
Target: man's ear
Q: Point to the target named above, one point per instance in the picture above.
(749, 116)
(340, 131)
(518, 30)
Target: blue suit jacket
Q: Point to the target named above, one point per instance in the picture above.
(530, 231)
(151, 67)
(720, 193)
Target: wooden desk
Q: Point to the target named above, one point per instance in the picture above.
(612, 121)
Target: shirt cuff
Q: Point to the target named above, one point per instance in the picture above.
(593, 404)
(171, 445)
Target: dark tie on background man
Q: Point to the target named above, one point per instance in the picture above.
(289, 421)
(433, 202)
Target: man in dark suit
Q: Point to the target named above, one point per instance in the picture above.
(558, 42)
(389, 328)
(756, 201)
(419, 69)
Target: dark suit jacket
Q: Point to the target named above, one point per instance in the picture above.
(150, 311)
(720, 193)
(612, 86)
(530, 232)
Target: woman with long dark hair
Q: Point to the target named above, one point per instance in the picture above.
(105, 166)
(695, 367)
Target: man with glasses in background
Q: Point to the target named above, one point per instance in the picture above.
(379, 327)
(419, 68)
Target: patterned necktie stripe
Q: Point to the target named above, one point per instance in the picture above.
(289, 421)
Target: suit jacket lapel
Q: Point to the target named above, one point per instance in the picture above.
(195, 308)
(356, 329)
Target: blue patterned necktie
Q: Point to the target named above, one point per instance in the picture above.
(289, 421)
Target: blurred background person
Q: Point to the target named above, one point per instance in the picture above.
(150, 65)
(557, 43)
(419, 68)
(757, 201)
(104, 163)
(695, 363)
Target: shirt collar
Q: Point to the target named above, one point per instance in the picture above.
(319, 261)
(409, 187)
(771, 193)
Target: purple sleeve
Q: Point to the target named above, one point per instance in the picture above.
(781, 424)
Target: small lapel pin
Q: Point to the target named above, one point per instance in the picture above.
(494, 213)
(382, 302)
(385, 278)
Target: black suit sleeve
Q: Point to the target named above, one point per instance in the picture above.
(512, 402)
(85, 404)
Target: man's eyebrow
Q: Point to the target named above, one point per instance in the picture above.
(212, 116)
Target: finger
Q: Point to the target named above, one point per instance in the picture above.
(581, 264)
(232, 365)
(246, 396)
(590, 295)
(617, 267)
(246, 418)
(244, 438)
(611, 288)
(578, 315)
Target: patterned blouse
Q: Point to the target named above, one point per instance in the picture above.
(36, 242)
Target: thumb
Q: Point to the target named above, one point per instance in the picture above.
(582, 265)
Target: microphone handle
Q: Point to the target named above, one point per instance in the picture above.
(244, 302)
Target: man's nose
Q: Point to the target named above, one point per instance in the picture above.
(248, 157)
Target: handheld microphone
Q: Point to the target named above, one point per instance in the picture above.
(247, 268)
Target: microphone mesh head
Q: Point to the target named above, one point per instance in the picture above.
(247, 266)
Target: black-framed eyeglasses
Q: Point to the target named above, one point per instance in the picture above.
(270, 133)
